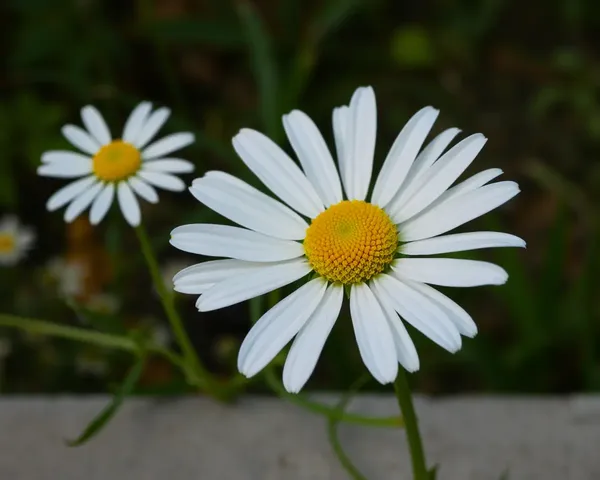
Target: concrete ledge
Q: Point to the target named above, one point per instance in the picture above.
(476, 438)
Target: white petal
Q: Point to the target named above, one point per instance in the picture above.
(102, 204)
(233, 242)
(95, 124)
(81, 139)
(251, 284)
(460, 242)
(373, 334)
(422, 163)
(167, 145)
(151, 126)
(441, 175)
(316, 160)
(362, 131)
(135, 122)
(9, 224)
(163, 180)
(62, 156)
(402, 155)
(246, 206)
(278, 326)
(69, 192)
(277, 171)
(458, 210)
(419, 311)
(450, 272)
(83, 201)
(459, 317)
(340, 131)
(470, 184)
(129, 204)
(147, 192)
(169, 165)
(405, 348)
(199, 278)
(309, 342)
(68, 167)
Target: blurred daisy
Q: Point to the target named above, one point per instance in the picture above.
(15, 240)
(123, 167)
(367, 248)
(68, 275)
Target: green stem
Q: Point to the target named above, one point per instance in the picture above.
(40, 327)
(411, 425)
(167, 300)
(331, 412)
(332, 424)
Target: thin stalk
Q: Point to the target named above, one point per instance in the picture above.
(332, 432)
(413, 436)
(327, 410)
(107, 340)
(167, 300)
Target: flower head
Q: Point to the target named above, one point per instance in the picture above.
(124, 167)
(370, 248)
(15, 240)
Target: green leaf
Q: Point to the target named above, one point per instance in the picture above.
(263, 65)
(111, 409)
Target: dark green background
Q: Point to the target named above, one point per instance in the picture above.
(525, 74)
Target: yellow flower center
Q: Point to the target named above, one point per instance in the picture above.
(7, 243)
(351, 242)
(116, 161)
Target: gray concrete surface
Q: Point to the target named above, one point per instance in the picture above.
(472, 438)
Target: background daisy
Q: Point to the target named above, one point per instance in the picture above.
(122, 167)
(15, 240)
(325, 226)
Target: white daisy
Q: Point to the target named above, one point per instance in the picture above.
(15, 240)
(367, 248)
(122, 167)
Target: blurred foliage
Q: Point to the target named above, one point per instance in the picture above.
(524, 74)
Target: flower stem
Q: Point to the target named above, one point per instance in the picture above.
(167, 300)
(107, 340)
(411, 425)
(327, 410)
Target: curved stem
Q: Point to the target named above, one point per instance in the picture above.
(189, 353)
(41, 327)
(411, 425)
(323, 409)
(332, 424)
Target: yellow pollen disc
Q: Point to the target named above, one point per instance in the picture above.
(116, 161)
(351, 242)
(7, 243)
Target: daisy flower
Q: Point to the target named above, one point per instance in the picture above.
(15, 240)
(323, 226)
(124, 167)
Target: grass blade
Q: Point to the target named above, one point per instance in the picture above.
(111, 409)
(263, 65)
